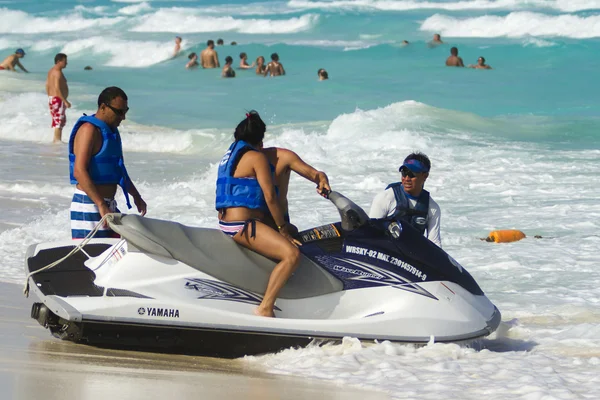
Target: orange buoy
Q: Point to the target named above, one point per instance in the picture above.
(505, 236)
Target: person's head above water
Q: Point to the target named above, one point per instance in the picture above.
(210, 43)
(20, 52)
(243, 56)
(192, 55)
(177, 39)
(275, 57)
(481, 61)
(228, 60)
(251, 129)
(454, 51)
(220, 42)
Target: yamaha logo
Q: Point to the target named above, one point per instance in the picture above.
(141, 311)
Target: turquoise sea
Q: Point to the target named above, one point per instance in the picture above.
(512, 147)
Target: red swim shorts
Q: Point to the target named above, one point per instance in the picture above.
(57, 112)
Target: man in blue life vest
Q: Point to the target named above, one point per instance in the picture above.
(408, 201)
(96, 166)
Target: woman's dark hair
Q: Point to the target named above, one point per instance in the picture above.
(243, 55)
(192, 55)
(251, 129)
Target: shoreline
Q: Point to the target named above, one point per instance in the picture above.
(35, 365)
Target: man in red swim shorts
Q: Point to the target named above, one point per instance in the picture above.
(58, 91)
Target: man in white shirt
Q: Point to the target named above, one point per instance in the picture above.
(408, 201)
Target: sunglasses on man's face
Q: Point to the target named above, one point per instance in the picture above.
(407, 173)
(119, 112)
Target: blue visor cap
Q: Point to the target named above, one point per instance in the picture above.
(414, 165)
(20, 51)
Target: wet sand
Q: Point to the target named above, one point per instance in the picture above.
(34, 365)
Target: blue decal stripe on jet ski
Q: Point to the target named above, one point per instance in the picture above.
(387, 278)
(214, 290)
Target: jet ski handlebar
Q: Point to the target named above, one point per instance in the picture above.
(352, 215)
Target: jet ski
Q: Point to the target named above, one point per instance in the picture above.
(174, 288)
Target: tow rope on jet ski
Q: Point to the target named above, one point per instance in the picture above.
(77, 248)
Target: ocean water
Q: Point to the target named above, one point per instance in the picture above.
(513, 147)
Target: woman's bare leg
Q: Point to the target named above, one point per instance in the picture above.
(272, 244)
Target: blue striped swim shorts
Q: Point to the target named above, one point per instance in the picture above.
(85, 216)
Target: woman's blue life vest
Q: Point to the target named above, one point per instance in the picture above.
(417, 217)
(237, 192)
(107, 166)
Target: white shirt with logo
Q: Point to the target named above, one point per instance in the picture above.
(384, 205)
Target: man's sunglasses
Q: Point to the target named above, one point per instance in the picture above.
(407, 172)
(117, 111)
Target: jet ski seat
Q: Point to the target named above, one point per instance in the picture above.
(212, 252)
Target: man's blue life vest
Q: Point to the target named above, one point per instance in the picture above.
(107, 166)
(237, 192)
(416, 217)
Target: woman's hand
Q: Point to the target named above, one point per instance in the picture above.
(284, 230)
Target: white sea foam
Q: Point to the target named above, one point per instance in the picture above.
(344, 44)
(12, 21)
(193, 21)
(93, 10)
(262, 8)
(123, 53)
(135, 9)
(515, 24)
(535, 42)
(405, 5)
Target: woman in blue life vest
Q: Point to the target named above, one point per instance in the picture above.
(245, 195)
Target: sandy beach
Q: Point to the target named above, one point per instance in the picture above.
(34, 365)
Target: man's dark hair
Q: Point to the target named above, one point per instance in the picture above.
(192, 55)
(220, 41)
(210, 42)
(59, 57)
(419, 157)
(275, 57)
(251, 129)
(482, 59)
(228, 60)
(243, 55)
(109, 94)
(454, 51)
(324, 74)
